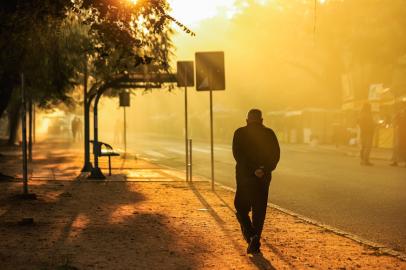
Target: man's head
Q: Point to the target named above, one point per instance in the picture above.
(254, 116)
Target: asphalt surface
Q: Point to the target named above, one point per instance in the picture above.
(326, 186)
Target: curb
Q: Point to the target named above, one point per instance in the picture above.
(382, 249)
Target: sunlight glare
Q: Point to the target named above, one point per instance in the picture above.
(193, 12)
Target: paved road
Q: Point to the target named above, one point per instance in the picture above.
(326, 186)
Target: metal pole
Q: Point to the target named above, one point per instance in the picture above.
(211, 139)
(34, 119)
(87, 167)
(30, 129)
(186, 128)
(125, 132)
(24, 137)
(190, 160)
(96, 173)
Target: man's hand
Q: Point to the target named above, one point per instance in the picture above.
(259, 173)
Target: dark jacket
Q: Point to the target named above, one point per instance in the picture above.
(255, 146)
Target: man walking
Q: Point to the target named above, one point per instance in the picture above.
(256, 151)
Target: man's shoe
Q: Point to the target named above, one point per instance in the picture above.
(253, 246)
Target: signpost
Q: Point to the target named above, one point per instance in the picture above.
(210, 76)
(125, 102)
(185, 78)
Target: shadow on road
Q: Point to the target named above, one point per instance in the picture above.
(258, 260)
(261, 262)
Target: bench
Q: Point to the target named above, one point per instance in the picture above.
(105, 150)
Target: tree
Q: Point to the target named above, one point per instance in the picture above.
(117, 37)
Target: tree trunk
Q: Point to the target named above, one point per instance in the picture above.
(5, 96)
(14, 121)
(6, 91)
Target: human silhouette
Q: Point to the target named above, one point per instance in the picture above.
(399, 154)
(74, 128)
(367, 127)
(79, 129)
(256, 151)
(396, 154)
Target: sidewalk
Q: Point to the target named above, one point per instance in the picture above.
(147, 217)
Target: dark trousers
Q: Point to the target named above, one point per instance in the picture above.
(251, 195)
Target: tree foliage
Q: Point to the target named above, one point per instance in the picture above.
(51, 41)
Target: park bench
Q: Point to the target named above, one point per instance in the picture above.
(105, 150)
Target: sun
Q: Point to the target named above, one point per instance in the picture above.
(193, 12)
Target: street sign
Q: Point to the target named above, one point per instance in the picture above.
(185, 74)
(210, 73)
(185, 78)
(124, 99)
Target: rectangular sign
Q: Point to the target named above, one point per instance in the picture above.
(210, 73)
(124, 99)
(185, 73)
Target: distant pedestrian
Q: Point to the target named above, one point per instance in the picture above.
(399, 151)
(367, 128)
(74, 128)
(256, 151)
(79, 129)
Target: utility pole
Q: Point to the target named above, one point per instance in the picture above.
(185, 78)
(186, 129)
(211, 139)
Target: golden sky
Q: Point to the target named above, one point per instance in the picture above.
(193, 12)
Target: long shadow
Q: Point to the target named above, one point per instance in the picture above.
(258, 260)
(88, 225)
(224, 202)
(87, 228)
(261, 262)
(279, 254)
(140, 240)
